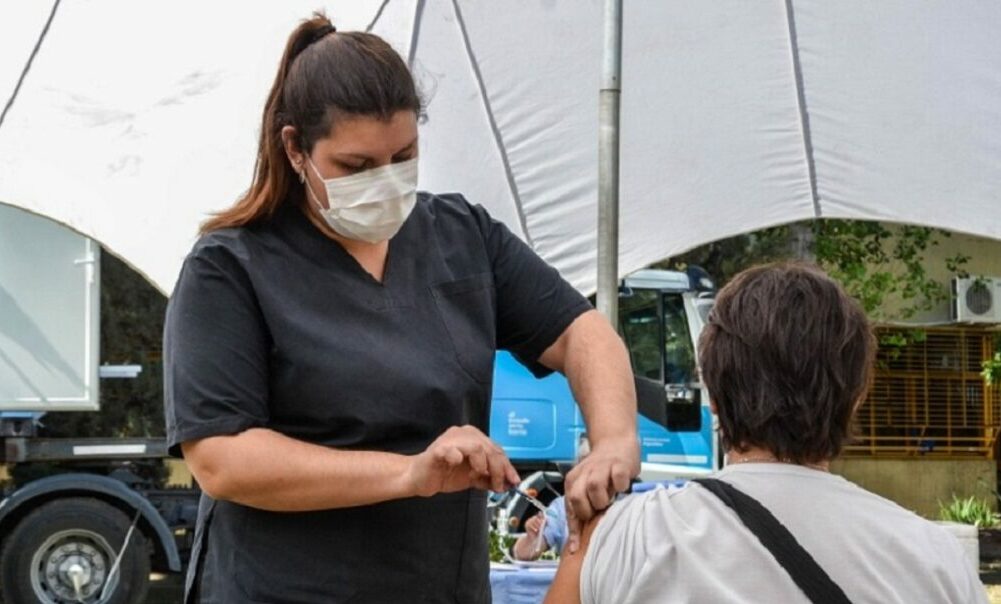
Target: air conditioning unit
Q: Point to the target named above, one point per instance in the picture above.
(976, 299)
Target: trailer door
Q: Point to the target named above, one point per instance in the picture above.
(49, 315)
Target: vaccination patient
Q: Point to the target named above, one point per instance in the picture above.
(785, 357)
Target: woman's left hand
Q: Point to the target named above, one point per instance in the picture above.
(593, 483)
(594, 359)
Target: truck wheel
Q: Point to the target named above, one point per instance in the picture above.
(63, 553)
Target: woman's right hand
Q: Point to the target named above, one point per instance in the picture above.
(461, 458)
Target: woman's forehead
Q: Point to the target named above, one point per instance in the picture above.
(370, 135)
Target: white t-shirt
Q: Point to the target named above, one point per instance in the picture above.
(687, 546)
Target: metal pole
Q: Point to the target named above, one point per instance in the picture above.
(608, 164)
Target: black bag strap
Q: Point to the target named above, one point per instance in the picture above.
(804, 570)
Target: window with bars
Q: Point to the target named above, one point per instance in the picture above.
(928, 397)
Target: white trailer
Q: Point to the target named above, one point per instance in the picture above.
(93, 527)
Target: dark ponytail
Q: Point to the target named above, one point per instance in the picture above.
(322, 76)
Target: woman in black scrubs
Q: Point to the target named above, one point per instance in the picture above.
(329, 354)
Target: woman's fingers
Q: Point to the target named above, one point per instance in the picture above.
(591, 486)
(499, 465)
(599, 496)
(487, 458)
(450, 456)
(513, 479)
(486, 465)
(478, 459)
(621, 477)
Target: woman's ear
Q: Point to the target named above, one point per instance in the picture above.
(290, 142)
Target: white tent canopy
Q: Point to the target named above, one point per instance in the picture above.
(136, 119)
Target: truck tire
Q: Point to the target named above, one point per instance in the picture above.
(75, 538)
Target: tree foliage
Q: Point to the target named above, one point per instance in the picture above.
(726, 257)
(885, 267)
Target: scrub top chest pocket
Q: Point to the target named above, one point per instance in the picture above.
(468, 311)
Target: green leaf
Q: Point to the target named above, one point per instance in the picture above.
(971, 510)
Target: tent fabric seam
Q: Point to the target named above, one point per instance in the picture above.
(508, 172)
(415, 34)
(378, 15)
(27, 64)
(804, 116)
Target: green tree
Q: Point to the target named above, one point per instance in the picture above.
(879, 264)
(725, 258)
(882, 266)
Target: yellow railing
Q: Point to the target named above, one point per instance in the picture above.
(928, 398)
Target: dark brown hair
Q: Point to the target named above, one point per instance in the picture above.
(786, 356)
(324, 75)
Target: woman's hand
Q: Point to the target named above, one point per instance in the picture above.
(592, 484)
(596, 363)
(461, 458)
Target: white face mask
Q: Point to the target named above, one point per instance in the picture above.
(372, 205)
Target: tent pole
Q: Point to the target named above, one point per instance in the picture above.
(608, 163)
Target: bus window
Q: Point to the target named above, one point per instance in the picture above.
(641, 331)
(679, 352)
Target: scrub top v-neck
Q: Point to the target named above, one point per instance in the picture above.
(277, 326)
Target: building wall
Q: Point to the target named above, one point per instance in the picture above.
(920, 484)
(985, 261)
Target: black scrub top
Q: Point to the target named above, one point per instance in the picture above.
(276, 325)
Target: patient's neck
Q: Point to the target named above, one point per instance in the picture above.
(762, 455)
